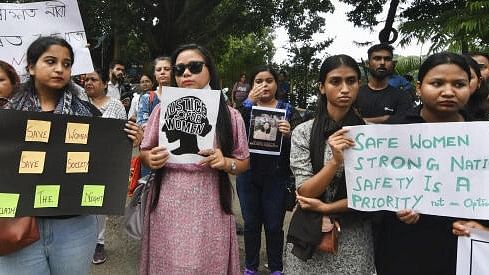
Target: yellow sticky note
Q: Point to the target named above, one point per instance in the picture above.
(8, 205)
(77, 162)
(77, 133)
(32, 162)
(93, 195)
(37, 130)
(46, 196)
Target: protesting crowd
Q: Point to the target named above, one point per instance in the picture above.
(189, 226)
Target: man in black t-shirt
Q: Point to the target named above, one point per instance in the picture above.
(377, 100)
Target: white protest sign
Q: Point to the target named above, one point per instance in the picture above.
(435, 168)
(20, 24)
(188, 122)
(472, 253)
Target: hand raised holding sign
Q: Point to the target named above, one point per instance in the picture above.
(338, 143)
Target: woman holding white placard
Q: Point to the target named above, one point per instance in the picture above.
(189, 227)
(316, 159)
(409, 242)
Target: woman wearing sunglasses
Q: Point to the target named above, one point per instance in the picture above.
(9, 80)
(190, 228)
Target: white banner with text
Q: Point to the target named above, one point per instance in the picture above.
(434, 168)
(20, 24)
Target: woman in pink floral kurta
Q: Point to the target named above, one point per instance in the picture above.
(191, 230)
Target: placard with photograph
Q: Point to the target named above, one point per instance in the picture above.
(264, 136)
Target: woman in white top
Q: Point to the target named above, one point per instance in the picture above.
(145, 85)
(95, 86)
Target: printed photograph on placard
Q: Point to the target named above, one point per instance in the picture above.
(264, 136)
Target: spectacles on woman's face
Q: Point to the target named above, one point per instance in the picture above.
(195, 67)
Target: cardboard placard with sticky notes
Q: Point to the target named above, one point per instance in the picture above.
(63, 166)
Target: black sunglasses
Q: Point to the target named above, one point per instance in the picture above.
(195, 67)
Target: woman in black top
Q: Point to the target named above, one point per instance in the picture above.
(411, 243)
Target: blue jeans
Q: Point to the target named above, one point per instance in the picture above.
(261, 198)
(65, 247)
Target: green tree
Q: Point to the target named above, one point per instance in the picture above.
(457, 25)
(303, 71)
(242, 54)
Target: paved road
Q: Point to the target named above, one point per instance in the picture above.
(123, 252)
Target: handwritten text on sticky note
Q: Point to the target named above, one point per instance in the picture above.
(8, 205)
(46, 196)
(37, 130)
(93, 195)
(77, 162)
(77, 133)
(32, 162)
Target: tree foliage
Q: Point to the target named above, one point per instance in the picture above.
(236, 32)
(303, 72)
(457, 25)
(242, 54)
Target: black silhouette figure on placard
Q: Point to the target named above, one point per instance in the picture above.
(185, 119)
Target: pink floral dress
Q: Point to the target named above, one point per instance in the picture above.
(188, 232)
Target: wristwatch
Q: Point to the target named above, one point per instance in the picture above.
(233, 166)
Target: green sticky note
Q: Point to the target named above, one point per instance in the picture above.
(46, 196)
(8, 205)
(93, 195)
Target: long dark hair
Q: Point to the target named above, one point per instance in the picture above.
(40, 46)
(323, 126)
(223, 128)
(271, 70)
(441, 59)
(477, 106)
